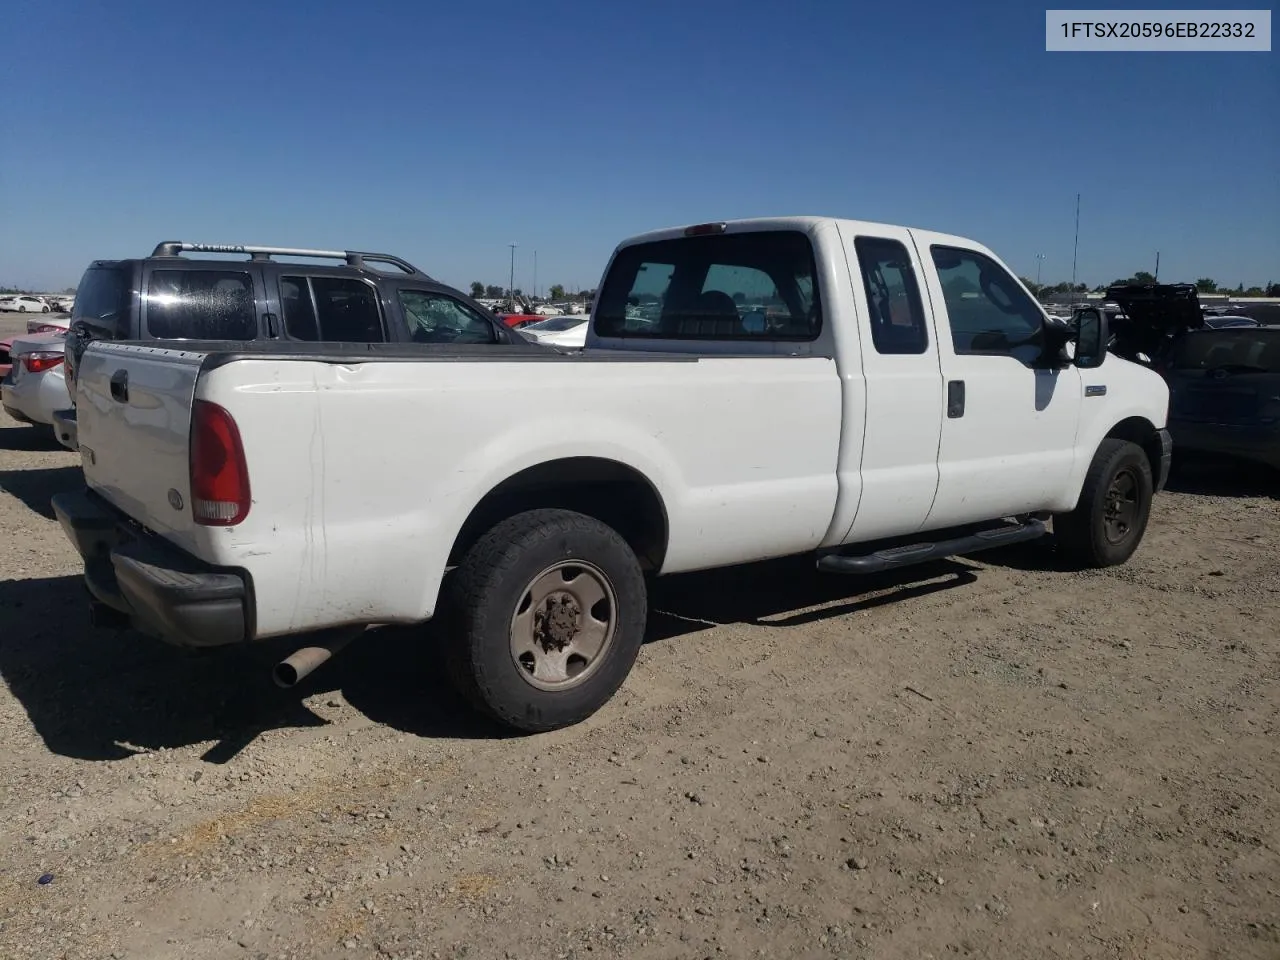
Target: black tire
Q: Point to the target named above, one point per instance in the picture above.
(1111, 516)
(484, 595)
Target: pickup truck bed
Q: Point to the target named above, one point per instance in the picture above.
(239, 492)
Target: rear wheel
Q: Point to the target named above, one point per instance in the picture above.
(545, 615)
(1111, 516)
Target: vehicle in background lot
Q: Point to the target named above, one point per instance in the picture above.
(1228, 321)
(22, 303)
(5, 345)
(35, 387)
(366, 298)
(1225, 393)
(561, 331)
(901, 398)
(48, 324)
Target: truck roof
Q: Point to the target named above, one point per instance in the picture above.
(806, 224)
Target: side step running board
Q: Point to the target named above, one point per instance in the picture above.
(894, 557)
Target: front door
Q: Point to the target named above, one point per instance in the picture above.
(1009, 426)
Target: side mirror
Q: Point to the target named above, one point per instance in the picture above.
(1092, 336)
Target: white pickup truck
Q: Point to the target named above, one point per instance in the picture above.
(870, 394)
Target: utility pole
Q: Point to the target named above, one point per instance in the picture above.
(1039, 263)
(511, 284)
(1156, 275)
(1075, 247)
(535, 273)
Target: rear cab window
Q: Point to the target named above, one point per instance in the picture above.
(753, 286)
(201, 305)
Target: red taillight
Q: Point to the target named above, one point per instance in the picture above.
(41, 360)
(219, 474)
(35, 327)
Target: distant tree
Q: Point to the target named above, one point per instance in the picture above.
(557, 291)
(1273, 289)
(1207, 285)
(1143, 277)
(518, 292)
(1063, 287)
(1031, 285)
(1099, 289)
(493, 291)
(1254, 292)
(477, 288)
(1240, 289)
(1082, 288)
(70, 291)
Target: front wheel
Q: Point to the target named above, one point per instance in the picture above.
(44, 309)
(546, 614)
(1111, 516)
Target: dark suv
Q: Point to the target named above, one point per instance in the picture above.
(363, 298)
(167, 298)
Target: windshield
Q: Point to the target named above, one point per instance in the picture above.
(556, 324)
(1246, 349)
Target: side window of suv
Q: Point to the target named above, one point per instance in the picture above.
(332, 309)
(437, 318)
(988, 311)
(201, 305)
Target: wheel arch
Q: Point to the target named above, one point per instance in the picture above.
(615, 493)
(1141, 431)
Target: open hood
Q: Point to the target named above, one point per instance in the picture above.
(1154, 314)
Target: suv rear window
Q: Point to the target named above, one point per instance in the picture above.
(1246, 350)
(102, 299)
(737, 286)
(201, 305)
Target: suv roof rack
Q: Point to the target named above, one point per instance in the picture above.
(354, 258)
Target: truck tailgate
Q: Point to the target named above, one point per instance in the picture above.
(134, 417)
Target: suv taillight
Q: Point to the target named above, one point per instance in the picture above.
(41, 360)
(219, 474)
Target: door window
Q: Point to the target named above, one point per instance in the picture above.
(988, 311)
(437, 318)
(893, 296)
(330, 309)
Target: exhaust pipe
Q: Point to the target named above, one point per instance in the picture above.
(292, 670)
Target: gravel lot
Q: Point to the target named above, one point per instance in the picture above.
(977, 758)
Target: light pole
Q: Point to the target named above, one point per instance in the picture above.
(511, 284)
(1039, 263)
(535, 273)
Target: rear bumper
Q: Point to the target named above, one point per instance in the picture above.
(163, 591)
(35, 397)
(64, 427)
(1260, 443)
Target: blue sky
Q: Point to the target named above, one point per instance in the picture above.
(442, 133)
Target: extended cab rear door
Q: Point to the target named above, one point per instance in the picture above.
(904, 397)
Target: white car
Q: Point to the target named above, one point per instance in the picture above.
(36, 387)
(22, 303)
(902, 398)
(561, 331)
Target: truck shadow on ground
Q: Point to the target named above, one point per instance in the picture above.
(96, 694)
(1220, 478)
(35, 488)
(24, 437)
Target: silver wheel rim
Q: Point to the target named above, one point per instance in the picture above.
(564, 625)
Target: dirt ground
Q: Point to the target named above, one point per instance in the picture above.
(985, 758)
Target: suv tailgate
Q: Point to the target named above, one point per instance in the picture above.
(134, 426)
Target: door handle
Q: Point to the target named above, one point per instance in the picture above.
(120, 386)
(955, 399)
